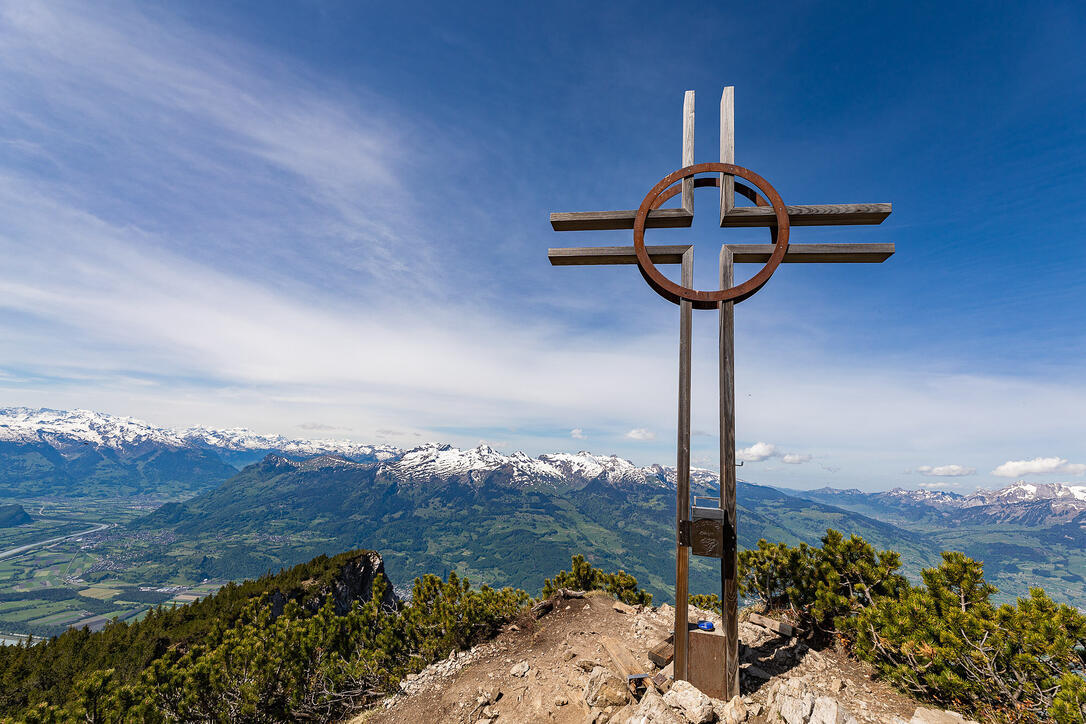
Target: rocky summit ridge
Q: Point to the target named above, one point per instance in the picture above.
(570, 667)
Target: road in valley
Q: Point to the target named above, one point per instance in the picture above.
(29, 546)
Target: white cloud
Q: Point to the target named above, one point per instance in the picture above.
(945, 471)
(756, 453)
(761, 451)
(195, 311)
(578, 434)
(641, 434)
(1038, 466)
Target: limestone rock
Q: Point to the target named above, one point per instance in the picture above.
(688, 699)
(732, 712)
(604, 688)
(790, 700)
(519, 669)
(653, 710)
(828, 711)
(935, 716)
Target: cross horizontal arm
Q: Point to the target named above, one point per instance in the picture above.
(821, 215)
(738, 216)
(595, 255)
(814, 253)
(608, 220)
(742, 253)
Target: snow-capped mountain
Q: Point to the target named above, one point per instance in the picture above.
(1022, 492)
(922, 496)
(86, 439)
(552, 470)
(58, 449)
(63, 429)
(1020, 503)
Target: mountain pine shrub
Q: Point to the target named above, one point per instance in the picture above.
(945, 641)
(705, 601)
(582, 576)
(819, 585)
(298, 665)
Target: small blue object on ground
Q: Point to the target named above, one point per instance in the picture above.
(705, 625)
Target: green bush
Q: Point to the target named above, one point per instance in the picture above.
(945, 641)
(778, 575)
(705, 601)
(300, 666)
(583, 577)
(819, 585)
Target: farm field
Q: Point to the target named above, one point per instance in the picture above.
(81, 581)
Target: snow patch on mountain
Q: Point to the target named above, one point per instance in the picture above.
(71, 431)
(1021, 492)
(65, 429)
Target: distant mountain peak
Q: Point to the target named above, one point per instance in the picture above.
(67, 428)
(1021, 491)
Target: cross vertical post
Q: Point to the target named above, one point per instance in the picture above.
(688, 151)
(682, 474)
(706, 531)
(729, 564)
(727, 151)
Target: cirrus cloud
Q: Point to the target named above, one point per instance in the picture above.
(1039, 466)
(577, 434)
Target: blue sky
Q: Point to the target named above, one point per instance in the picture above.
(330, 219)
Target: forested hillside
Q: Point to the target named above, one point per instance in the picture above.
(315, 643)
(483, 524)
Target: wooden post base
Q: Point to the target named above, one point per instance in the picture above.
(705, 663)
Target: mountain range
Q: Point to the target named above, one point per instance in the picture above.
(1019, 503)
(80, 452)
(501, 518)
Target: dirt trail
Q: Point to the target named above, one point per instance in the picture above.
(537, 671)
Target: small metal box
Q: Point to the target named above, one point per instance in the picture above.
(707, 531)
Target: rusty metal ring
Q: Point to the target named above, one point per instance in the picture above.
(708, 299)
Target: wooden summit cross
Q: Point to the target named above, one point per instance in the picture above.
(712, 531)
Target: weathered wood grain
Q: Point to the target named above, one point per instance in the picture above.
(808, 215)
(708, 651)
(727, 150)
(780, 627)
(682, 472)
(741, 254)
(688, 150)
(662, 653)
(814, 253)
(604, 220)
(624, 662)
(729, 562)
(596, 255)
